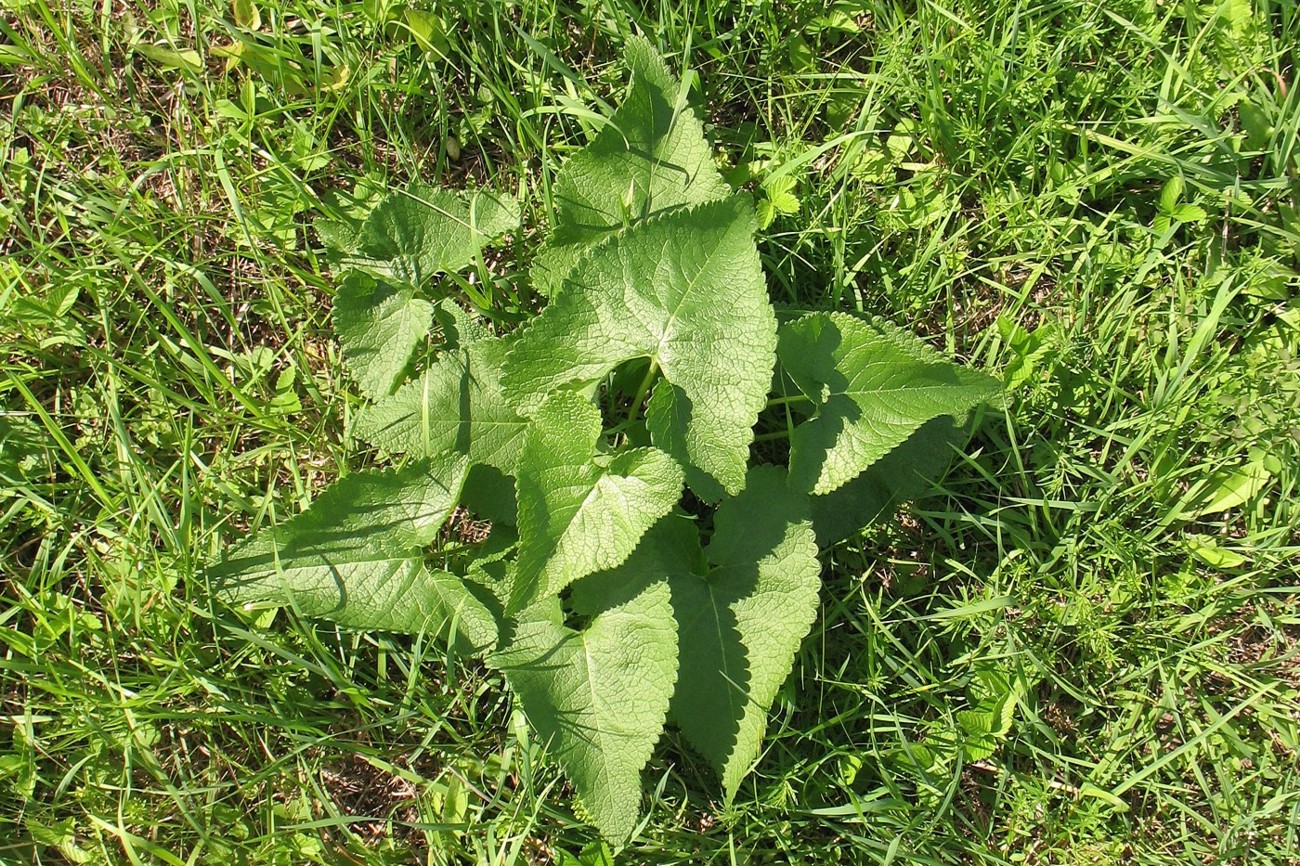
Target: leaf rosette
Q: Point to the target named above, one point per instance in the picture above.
(613, 602)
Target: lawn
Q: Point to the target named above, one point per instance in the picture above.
(1081, 644)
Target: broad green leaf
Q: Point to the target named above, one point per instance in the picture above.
(1223, 489)
(1208, 551)
(685, 290)
(741, 613)
(458, 327)
(407, 238)
(338, 235)
(468, 607)
(598, 696)
(429, 31)
(780, 198)
(489, 494)
(904, 473)
(741, 623)
(579, 515)
(651, 158)
(457, 406)
(872, 386)
(354, 555)
(593, 854)
(416, 233)
(1255, 123)
(1188, 213)
(1003, 712)
(378, 325)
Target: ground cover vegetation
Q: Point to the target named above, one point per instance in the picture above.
(1077, 645)
(587, 586)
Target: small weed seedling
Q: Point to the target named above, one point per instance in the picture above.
(648, 562)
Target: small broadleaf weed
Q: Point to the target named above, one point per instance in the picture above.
(640, 566)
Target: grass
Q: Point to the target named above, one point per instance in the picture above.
(1099, 201)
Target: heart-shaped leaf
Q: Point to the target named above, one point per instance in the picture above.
(354, 556)
(650, 158)
(872, 386)
(579, 513)
(598, 695)
(686, 291)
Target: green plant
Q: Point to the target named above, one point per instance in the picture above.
(610, 601)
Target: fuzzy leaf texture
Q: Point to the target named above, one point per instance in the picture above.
(906, 472)
(414, 234)
(354, 556)
(455, 406)
(686, 291)
(741, 613)
(467, 606)
(598, 696)
(741, 622)
(408, 238)
(872, 386)
(650, 158)
(579, 515)
(379, 326)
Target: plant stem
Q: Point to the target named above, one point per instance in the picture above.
(788, 399)
(643, 389)
(772, 437)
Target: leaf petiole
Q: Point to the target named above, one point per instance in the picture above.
(643, 389)
(788, 399)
